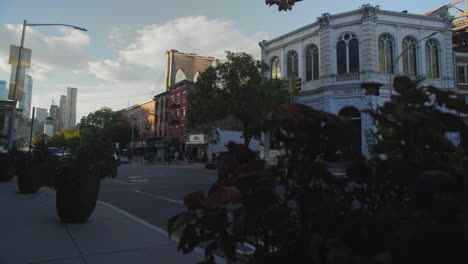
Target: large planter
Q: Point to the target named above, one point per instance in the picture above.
(76, 197)
(29, 179)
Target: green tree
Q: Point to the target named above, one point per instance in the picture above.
(236, 89)
(113, 124)
(101, 118)
(67, 139)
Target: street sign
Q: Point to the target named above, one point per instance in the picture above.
(25, 56)
(25, 63)
(20, 91)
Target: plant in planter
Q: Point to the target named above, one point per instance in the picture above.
(35, 169)
(78, 178)
(379, 213)
(275, 212)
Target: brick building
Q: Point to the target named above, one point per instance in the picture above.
(177, 114)
(142, 117)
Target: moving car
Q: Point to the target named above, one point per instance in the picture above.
(57, 152)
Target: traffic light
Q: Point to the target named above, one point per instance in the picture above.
(282, 4)
(298, 84)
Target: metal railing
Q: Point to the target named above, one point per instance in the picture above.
(342, 77)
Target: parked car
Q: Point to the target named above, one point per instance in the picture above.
(123, 159)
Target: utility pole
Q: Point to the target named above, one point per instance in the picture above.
(32, 127)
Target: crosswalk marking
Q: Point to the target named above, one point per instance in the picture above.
(139, 180)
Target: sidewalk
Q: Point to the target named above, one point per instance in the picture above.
(172, 163)
(31, 232)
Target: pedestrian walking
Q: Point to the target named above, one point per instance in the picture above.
(213, 158)
(204, 157)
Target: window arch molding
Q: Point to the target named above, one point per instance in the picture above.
(432, 56)
(275, 67)
(292, 63)
(312, 62)
(386, 52)
(410, 55)
(347, 53)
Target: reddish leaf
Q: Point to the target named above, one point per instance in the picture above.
(194, 199)
(222, 194)
(176, 222)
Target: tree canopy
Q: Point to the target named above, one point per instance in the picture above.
(236, 88)
(113, 125)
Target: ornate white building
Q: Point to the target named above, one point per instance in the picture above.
(347, 61)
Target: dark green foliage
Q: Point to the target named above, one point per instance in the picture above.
(236, 89)
(405, 205)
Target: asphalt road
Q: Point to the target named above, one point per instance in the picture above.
(154, 193)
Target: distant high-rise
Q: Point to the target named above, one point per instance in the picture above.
(25, 104)
(70, 118)
(41, 114)
(54, 115)
(63, 111)
(3, 90)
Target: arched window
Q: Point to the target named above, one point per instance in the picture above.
(355, 130)
(180, 76)
(409, 56)
(293, 64)
(432, 58)
(312, 63)
(386, 53)
(275, 68)
(347, 54)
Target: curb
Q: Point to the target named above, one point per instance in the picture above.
(163, 232)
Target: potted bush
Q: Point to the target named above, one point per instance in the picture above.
(78, 178)
(405, 205)
(36, 168)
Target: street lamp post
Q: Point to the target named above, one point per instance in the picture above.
(398, 58)
(12, 130)
(131, 149)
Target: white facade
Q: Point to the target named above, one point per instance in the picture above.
(225, 136)
(49, 129)
(335, 89)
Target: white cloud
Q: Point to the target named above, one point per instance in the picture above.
(113, 71)
(116, 96)
(65, 51)
(189, 34)
(39, 73)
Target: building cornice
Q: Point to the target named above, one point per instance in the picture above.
(346, 14)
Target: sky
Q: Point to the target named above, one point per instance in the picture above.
(120, 60)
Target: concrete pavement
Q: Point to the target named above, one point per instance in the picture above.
(31, 232)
